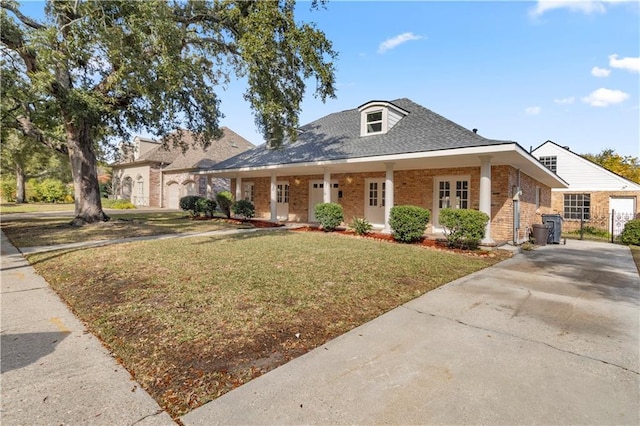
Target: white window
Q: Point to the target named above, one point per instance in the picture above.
(374, 122)
(538, 196)
(283, 193)
(550, 162)
(577, 206)
(248, 191)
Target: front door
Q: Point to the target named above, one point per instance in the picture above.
(449, 192)
(316, 196)
(374, 201)
(173, 199)
(282, 201)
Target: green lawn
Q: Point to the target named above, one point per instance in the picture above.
(43, 231)
(7, 208)
(194, 318)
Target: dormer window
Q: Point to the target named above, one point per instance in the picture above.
(374, 122)
(378, 117)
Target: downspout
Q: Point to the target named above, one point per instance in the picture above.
(516, 212)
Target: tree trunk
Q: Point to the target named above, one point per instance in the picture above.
(85, 175)
(20, 189)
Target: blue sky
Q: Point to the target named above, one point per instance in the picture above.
(525, 71)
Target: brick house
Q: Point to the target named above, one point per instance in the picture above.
(383, 154)
(154, 174)
(593, 193)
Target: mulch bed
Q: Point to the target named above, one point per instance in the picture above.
(424, 242)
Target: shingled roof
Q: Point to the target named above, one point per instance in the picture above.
(337, 137)
(195, 157)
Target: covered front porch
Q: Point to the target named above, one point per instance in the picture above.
(476, 178)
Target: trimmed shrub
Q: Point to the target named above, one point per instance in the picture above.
(361, 226)
(244, 209)
(631, 232)
(190, 203)
(8, 189)
(408, 223)
(463, 228)
(117, 204)
(51, 190)
(205, 206)
(225, 201)
(330, 215)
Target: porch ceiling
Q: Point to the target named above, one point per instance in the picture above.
(507, 154)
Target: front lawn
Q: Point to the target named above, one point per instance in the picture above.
(194, 318)
(8, 208)
(44, 231)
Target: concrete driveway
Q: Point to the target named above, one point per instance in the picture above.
(548, 337)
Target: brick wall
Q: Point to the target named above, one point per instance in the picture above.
(599, 205)
(416, 187)
(154, 187)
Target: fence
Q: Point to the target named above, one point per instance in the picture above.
(601, 225)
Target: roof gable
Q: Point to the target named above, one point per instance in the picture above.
(582, 174)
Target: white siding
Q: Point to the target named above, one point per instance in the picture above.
(393, 117)
(581, 174)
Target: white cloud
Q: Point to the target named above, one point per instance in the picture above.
(600, 72)
(605, 97)
(565, 101)
(396, 41)
(532, 110)
(585, 6)
(629, 64)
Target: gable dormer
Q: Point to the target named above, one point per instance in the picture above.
(378, 117)
(143, 145)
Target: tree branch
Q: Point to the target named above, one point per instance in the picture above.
(24, 19)
(28, 129)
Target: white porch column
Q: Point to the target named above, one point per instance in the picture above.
(238, 188)
(326, 187)
(388, 196)
(273, 204)
(485, 197)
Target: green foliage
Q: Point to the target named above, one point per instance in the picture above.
(361, 226)
(408, 223)
(631, 232)
(330, 215)
(109, 67)
(8, 189)
(190, 203)
(206, 206)
(244, 209)
(627, 166)
(225, 201)
(463, 228)
(117, 204)
(591, 231)
(52, 191)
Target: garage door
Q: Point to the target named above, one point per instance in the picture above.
(622, 209)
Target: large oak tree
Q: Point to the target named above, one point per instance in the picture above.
(106, 68)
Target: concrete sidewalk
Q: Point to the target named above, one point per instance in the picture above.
(550, 336)
(52, 370)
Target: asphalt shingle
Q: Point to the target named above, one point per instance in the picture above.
(337, 136)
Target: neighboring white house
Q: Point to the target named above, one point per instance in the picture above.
(593, 193)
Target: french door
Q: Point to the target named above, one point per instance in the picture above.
(449, 192)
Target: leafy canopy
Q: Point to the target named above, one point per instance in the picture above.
(625, 166)
(156, 65)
